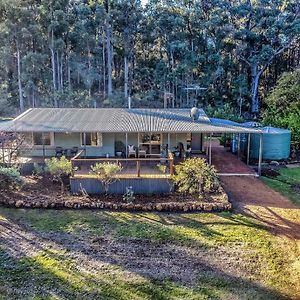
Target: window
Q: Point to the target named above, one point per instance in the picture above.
(91, 139)
(41, 138)
(151, 138)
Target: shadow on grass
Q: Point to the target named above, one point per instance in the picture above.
(141, 247)
(52, 275)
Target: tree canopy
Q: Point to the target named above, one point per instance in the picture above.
(167, 53)
(283, 104)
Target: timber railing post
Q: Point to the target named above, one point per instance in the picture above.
(138, 168)
(171, 160)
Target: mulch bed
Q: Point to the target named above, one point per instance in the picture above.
(42, 192)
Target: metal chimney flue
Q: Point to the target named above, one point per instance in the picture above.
(195, 113)
(129, 102)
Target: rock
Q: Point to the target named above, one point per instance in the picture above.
(11, 203)
(159, 207)
(19, 203)
(68, 204)
(274, 163)
(185, 208)
(45, 204)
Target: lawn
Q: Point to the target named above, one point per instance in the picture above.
(48, 254)
(287, 183)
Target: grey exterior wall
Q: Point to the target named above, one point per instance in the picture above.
(69, 140)
(139, 185)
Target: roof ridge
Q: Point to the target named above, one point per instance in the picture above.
(22, 114)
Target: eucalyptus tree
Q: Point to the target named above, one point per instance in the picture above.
(264, 29)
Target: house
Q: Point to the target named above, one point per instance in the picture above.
(143, 136)
(99, 132)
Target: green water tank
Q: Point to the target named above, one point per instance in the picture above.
(276, 143)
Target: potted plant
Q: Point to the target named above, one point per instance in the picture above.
(119, 148)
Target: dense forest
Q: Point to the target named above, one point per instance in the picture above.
(161, 53)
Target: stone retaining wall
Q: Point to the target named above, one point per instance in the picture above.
(90, 204)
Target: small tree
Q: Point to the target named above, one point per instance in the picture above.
(195, 176)
(283, 104)
(10, 178)
(105, 173)
(58, 168)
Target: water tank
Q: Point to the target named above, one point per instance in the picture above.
(276, 143)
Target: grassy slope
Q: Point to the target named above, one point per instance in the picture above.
(57, 274)
(283, 183)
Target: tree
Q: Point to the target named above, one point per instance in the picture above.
(105, 173)
(60, 53)
(269, 29)
(283, 105)
(59, 168)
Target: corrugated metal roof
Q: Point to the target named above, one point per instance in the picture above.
(115, 120)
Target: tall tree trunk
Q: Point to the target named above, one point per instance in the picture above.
(53, 69)
(255, 77)
(104, 70)
(126, 72)
(58, 71)
(69, 72)
(21, 100)
(61, 71)
(109, 59)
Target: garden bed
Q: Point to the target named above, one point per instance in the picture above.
(41, 192)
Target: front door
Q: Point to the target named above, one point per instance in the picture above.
(196, 143)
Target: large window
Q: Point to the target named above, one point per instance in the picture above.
(153, 138)
(41, 138)
(91, 139)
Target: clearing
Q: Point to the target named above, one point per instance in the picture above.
(48, 254)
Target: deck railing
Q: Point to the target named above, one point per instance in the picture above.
(135, 167)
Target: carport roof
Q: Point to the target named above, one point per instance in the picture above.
(117, 120)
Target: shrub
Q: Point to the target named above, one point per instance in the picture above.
(105, 173)
(38, 169)
(283, 104)
(227, 112)
(10, 178)
(128, 196)
(59, 168)
(162, 168)
(195, 176)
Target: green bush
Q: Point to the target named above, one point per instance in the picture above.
(195, 176)
(225, 112)
(283, 105)
(105, 173)
(59, 168)
(10, 178)
(38, 169)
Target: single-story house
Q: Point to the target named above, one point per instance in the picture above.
(110, 132)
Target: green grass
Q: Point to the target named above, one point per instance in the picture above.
(215, 241)
(284, 183)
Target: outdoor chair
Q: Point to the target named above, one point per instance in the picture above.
(58, 151)
(74, 151)
(65, 152)
(142, 152)
(131, 151)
